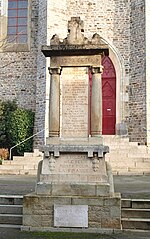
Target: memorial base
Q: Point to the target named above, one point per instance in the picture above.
(74, 189)
(102, 212)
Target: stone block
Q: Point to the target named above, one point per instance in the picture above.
(73, 189)
(115, 212)
(112, 201)
(97, 201)
(43, 188)
(96, 213)
(111, 223)
(102, 190)
(95, 225)
(37, 220)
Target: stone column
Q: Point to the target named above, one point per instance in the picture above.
(54, 104)
(96, 102)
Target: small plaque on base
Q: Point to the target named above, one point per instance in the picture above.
(71, 216)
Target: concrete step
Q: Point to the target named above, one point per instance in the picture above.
(24, 159)
(15, 219)
(135, 213)
(18, 167)
(10, 226)
(136, 223)
(9, 172)
(135, 203)
(11, 209)
(10, 167)
(141, 203)
(11, 200)
(20, 162)
(18, 172)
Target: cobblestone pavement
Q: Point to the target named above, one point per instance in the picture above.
(129, 186)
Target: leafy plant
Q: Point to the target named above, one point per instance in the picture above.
(6, 107)
(16, 125)
(20, 127)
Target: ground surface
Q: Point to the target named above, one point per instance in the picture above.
(128, 186)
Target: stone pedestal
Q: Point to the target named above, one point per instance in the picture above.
(73, 174)
(73, 179)
(39, 214)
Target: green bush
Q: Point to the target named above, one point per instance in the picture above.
(6, 108)
(16, 125)
(20, 127)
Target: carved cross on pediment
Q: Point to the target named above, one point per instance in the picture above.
(76, 37)
(75, 29)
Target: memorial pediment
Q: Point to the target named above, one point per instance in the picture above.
(75, 43)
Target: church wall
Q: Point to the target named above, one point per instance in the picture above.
(147, 15)
(111, 20)
(119, 22)
(41, 75)
(18, 68)
(137, 89)
(52, 20)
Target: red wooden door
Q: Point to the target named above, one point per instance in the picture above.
(108, 97)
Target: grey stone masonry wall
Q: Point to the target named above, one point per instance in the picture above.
(18, 69)
(52, 20)
(120, 22)
(137, 89)
(103, 212)
(111, 20)
(41, 75)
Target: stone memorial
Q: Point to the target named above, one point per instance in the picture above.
(74, 183)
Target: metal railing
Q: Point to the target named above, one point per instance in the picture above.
(10, 152)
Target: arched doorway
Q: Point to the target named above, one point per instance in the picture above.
(108, 97)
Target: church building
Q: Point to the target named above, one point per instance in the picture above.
(122, 26)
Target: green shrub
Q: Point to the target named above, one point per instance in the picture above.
(5, 110)
(20, 127)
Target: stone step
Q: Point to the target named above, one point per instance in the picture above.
(135, 213)
(9, 167)
(141, 203)
(10, 226)
(25, 159)
(15, 219)
(113, 138)
(136, 223)
(11, 200)
(20, 162)
(9, 172)
(18, 167)
(18, 172)
(139, 155)
(11, 209)
(135, 203)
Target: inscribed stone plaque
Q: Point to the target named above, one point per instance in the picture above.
(71, 215)
(93, 60)
(74, 102)
(75, 167)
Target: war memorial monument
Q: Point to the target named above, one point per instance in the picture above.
(74, 184)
